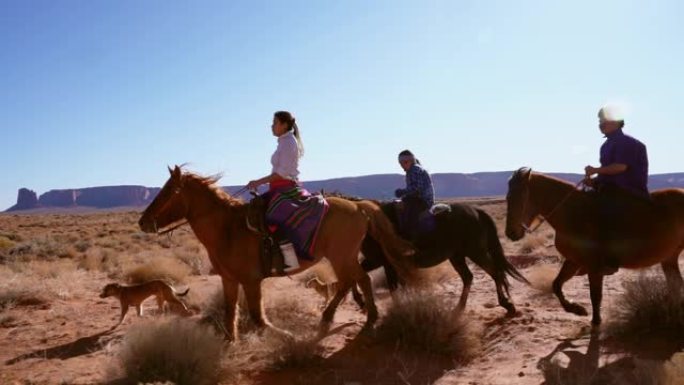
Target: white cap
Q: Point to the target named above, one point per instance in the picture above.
(610, 113)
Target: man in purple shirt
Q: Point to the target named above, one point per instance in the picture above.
(621, 181)
(624, 160)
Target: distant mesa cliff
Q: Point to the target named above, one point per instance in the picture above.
(92, 197)
(381, 186)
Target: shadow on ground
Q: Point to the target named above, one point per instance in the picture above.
(79, 347)
(364, 361)
(605, 362)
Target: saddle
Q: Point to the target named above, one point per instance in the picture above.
(425, 221)
(272, 257)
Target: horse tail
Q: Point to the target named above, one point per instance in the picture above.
(397, 250)
(501, 264)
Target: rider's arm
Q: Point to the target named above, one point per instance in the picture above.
(284, 164)
(612, 169)
(269, 178)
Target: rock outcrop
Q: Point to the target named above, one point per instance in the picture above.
(26, 200)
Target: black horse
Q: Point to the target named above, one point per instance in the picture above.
(461, 231)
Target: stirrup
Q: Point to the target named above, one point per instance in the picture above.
(272, 258)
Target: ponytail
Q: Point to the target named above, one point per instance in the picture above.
(300, 144)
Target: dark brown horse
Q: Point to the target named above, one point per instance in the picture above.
(650, 232)
(219, 222)
(462, 231)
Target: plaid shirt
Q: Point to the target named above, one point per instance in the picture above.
(418, 184)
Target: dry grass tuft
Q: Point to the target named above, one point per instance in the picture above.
(175, 350)
(532, 243)
(193, 260)
(6, 243)
(422, 320)
(11, 297)
(169, 269)
(541, 277)
(7, 320)
(271, 351)
(648, 310)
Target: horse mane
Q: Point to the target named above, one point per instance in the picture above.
(210, 184)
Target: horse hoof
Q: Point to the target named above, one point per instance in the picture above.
(576, 309)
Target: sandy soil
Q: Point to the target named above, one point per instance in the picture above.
(68, 339)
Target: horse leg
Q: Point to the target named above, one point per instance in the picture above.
(255, 306)
(596, 292)
(672, 273)
(459, 264)
(230, 295)
(372, 311)
(392, 277)
(329, 312)
(567, 271)
(358, 298)
(483, 259)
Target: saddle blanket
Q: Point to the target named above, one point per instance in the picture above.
(298, 214)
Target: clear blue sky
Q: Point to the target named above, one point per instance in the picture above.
(110, 92)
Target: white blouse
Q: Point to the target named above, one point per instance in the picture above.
(285, 159)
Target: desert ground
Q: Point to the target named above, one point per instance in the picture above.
(55, 329)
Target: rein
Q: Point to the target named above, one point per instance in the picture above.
(170, 230)
(536, 223)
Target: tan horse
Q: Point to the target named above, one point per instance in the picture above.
(651, 233)
(219, 222)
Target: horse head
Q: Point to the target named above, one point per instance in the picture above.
(520, 213)
(168, 206)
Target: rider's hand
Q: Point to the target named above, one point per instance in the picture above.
(253, 185)
(589, 171)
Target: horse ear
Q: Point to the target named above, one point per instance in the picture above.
(527, 173)
(170, 170)
(176, 173)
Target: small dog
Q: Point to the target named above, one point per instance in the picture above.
(326, 290)
(134, 295)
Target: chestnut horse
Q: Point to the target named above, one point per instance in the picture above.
(651, 233)
(219, 222)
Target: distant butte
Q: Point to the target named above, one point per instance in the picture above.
(382, 186)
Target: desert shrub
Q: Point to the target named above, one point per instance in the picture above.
(12, 237)
(532, 243)
(271, 350)
(43, 248)
(6, 243)
(424, 321)
(98, 259)
(82, 245)
(192, 260)
(169, 269)
(21, 296)
(647, 310)
(176, 350)
(541, 277)
(7, 320)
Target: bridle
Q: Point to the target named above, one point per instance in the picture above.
(170, 230)
(536, 222)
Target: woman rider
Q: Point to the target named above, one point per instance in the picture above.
(290, 208)
(418, 196)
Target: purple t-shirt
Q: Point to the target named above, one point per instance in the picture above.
(621, 148)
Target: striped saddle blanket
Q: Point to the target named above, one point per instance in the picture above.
(298, 214)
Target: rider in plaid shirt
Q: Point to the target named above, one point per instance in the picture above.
(418, 196)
